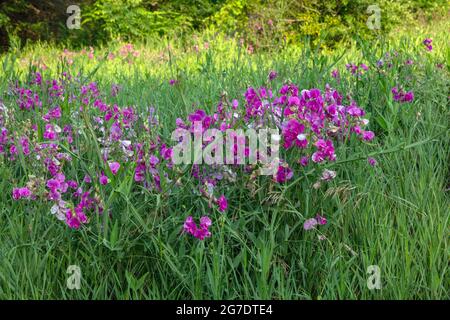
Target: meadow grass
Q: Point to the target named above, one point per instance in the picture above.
(394, 215)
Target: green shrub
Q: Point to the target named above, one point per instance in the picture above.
(261, 23)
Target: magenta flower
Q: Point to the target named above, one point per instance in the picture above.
(409, 97)
(57, 186)
(321, 220)
(353, 68)
(87, 179)
(304, 161)
(38, 79)
(401, 96)
(103, 179)
(54, 113)
(284, 173)
(223, 204)
(325, 149)
(75, 217)
(372, 161)
(368, 135)
(153, 161)
(166, 153)
(50, 132)
(313, 222)
(25, 146)
(114, 167)
(335, 73)
(293, 133)
(427, 43)
(364, 66)
(19, 193)
(72, 184)
(189, 225)
(272, 75)
(234, 104)
(201, 232)
(139, 173)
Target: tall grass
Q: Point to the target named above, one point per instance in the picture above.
(394, 215)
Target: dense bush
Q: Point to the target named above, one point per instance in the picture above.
(262, 23)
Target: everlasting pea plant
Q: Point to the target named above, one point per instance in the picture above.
(55, 122)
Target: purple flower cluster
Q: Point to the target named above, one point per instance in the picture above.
(200, 232)
(427, 43)
(313, 222)
(127, 143)
(402, 96)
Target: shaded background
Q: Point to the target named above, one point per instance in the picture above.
(263, 23)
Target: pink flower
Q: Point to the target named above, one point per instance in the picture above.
(335, 73)
(103, 179)
(25, 146)
(313, 222)
(166, 153)
(19, 193)
(372, 161)
(401, 96)
(234, 104)
(284, 173)
(368, 135)
(293, 134)
(304, 161)
(49, 132)
(272, 75)
(114, 167)
(201, 232)
(325, 149)
(87, 179)
(328, 175)
(427, 43)
(153, 161)
(139, 173)
(321, 220)
(75, 217)
(189, 225)
(72, 184)
(309, 224)
(223, 204)
(409, 97)
(54, 113)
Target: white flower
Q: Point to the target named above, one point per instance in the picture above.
(328, 175)
(210, 188)
(54, 209)
(59, 211)
(126, 143)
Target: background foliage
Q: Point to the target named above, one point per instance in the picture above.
(261, 23)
